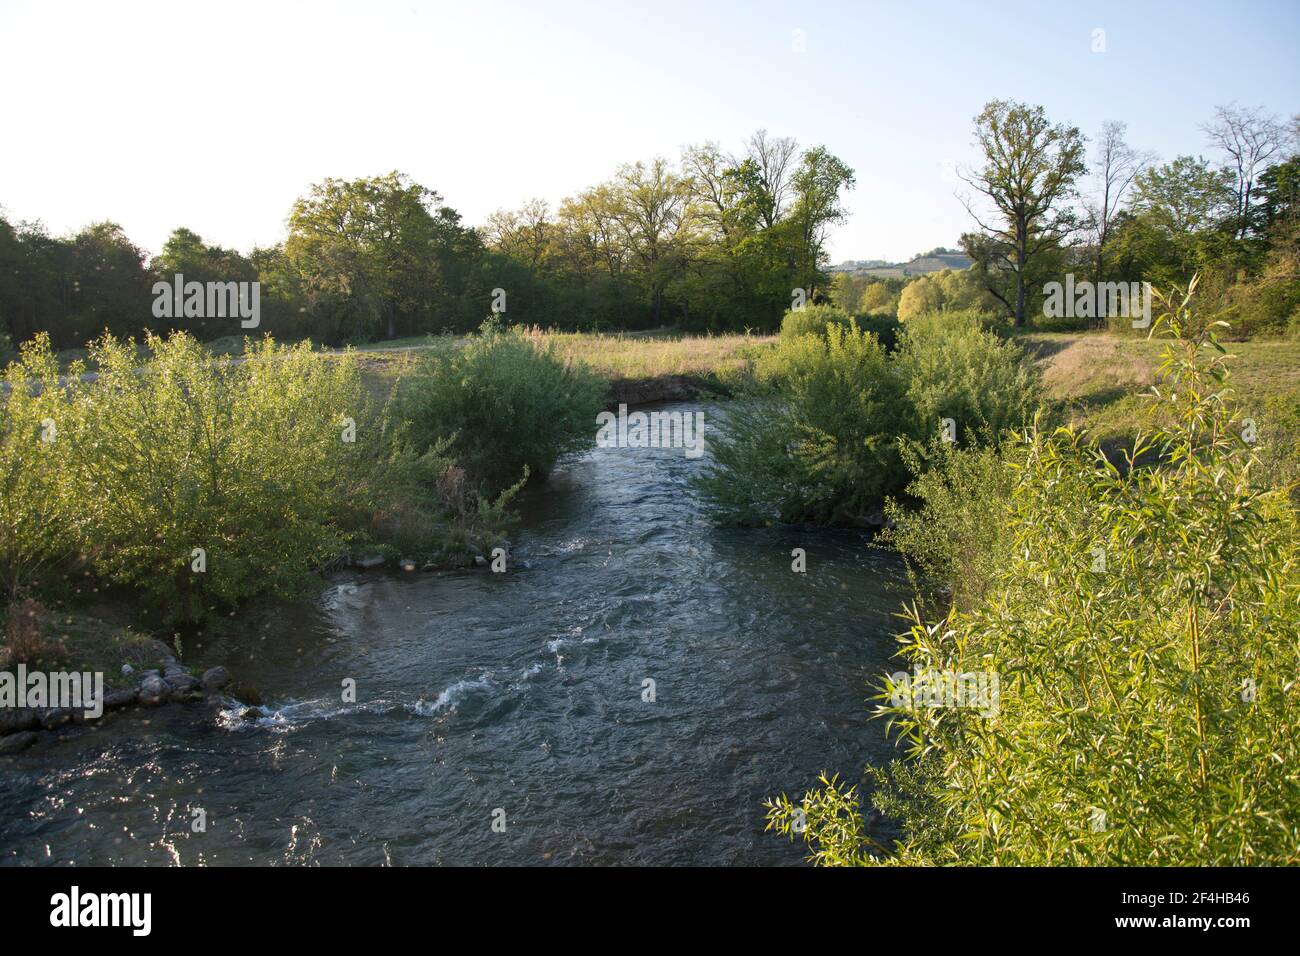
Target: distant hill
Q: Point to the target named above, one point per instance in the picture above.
(932, 261)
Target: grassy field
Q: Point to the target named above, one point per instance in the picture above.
(624, 357)
(1099, 378)
(644, 357)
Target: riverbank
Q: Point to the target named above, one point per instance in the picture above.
(1092, 378)
(111, 659)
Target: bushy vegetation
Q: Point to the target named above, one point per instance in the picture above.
(504, 406)
(813, 320)
(200, 483)
(824, 448)
(948, 290)
(883, 326)
(1142, 623)
(952, 528)
(826, 442)
(953, 368)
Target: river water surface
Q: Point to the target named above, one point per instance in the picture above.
(516, 698)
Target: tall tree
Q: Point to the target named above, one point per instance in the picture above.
(773, 159)
(369, 243)
(817, 187)
(1029, 175)
(1249, 139)
(1116, 165)
(652, 210)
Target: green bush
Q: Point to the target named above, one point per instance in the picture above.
(826, 443)
(502, 406)
(954, 537)
(954, 369)
(972, 320)
(248, 461)
(33, 533)
(825, 448)
(813, 320)
(1142, 626)
(271, 466)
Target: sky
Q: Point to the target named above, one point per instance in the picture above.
(216, 116)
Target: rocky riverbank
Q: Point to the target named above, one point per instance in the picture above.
(170, 681)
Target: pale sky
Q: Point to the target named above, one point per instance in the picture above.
(216, 116)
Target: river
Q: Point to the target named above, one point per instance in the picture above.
(503, 718)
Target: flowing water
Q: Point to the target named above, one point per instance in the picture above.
(516, 699)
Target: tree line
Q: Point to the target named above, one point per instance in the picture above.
(1041, 210)
(715, 240)
(711, 242)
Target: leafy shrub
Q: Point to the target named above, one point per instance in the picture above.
(825, 448)
(948, 290)
(827, 445)
(812, 320)
(1142, 626)
(956, 537)
(502, 405)
(953, 369)
(248, 461)
(971, 320)
(33, 533)
(272, 465)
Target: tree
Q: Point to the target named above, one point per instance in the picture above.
(1029, 174)
(772, 159)
(652, 211)
(1185, 195)
(185, 253)
(817, 186)
(1279, 193)
(366, 245)
(1179, 223)
(1116, 166)
(948, 290)
(524, 234)
(1249, 138)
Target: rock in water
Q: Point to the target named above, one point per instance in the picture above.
(181, 683)
(215, 679)
(114, 699)
(152, 691)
